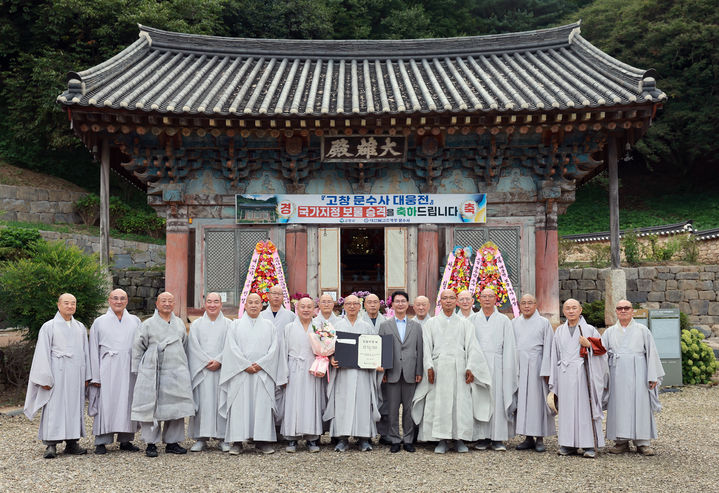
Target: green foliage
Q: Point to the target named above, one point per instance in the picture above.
(593, 313)
(632, 251)
(17, 242)
(679, 40)
(689, 249)
(88, 207)
(141, 222)
(29, 287)
(599, 255)
(15, 362)
(564, 250)
(684, 323)
(698, 361)
(661, 252)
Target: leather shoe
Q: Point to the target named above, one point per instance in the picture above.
(129, 447)
(408, 447)
(175, 448)
(526, 444)
(151, 450)
(384, 441)
(50, 452)
(645, 450)
(539, 446)
(72, 448)
(396, 447)
(100, 450)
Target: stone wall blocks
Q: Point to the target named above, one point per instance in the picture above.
(593, 296)
(8, 192)
(603, 273)
(665, 275)
(632, 285)
(707, 276)
(666, 305)
(644, 284)
(587, 284)
(687, 275)
(711, 268)
(713, 308)
(580, 296)
(673, 295)
(655, 296)
(662, 269)
(699, 307)
(31, 194)
(651, 305)
(683, 306)
(600, 284)
(659, 285)
(674, 269)
(631, 273)
(563, 274)
(571, 284)
(564, 295)
(575, 273)
(691, 294)
(637, 296)
(706, 285)
(647, 272)
(672, 284)
(684, 285)
(589, 273)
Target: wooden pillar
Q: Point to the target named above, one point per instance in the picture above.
(176, 251)
(428, 261)
(546, 266)
(296, 257)
(613, 200)
(105, 202)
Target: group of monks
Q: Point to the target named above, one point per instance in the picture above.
(459, 378)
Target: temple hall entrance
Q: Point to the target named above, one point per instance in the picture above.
(362, 260)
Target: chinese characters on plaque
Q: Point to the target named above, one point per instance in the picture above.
(364, 148)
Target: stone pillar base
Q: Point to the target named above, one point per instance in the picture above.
(615, 289)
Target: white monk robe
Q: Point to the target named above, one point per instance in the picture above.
(377, 321)
(496, 338)
(305, 394)
(352, 404)
(111, 342)
(205, 343)
(279, 320)
(62, 362)
(247, 400)
(422, 322)
(470, 317)
(449, 408)
(633, 363)
(163, 391)
(333, 319)
(383, 424)
(569, 382)
(534, 348)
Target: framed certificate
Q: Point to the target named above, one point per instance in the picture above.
(363, 351)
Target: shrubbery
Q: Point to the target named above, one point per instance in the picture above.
(29, 287)
(17, 242)
(593, 313)
(698, 361)
(88, 208)
(123, 218)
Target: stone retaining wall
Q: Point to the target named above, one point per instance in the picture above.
(142, 288)
(123, 253)
(39, 205)
(691, 288)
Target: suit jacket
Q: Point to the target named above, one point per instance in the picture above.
(407, 355)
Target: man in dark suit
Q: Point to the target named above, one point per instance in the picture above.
(406, 372)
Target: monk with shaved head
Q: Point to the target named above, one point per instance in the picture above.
(113, 383)
(59, 374)
(163, 392)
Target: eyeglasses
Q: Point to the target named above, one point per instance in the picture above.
(118, 298)
(623, 308)
(353, 303)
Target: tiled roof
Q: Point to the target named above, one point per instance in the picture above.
(172, 73)
(667, 229)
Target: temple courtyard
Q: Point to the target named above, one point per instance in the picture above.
(686, 460)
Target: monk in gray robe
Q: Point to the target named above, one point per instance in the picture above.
(568, 381)
(534, 336)
(352, 402)
(496, 338)
(112, 384)
(248, 378)
(326, 314)
(204, 355)
(280, 317)
(305, 394)
(635, 373)
(465, 302)
(372, 316)
(59, 373)
(455, 391)
(421, 310)
(163, 392)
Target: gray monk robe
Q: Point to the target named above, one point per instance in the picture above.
(422, 322)
(383, 424)
(205, 343)
(163, 391)
(450, 408)
(352, 404)
(333, 319)
(534, 338)
(247, 400)
(633, 363)
(569, 382)
(279, 320)
(61, 361)
(111, 342)
(496, 338)
(305, 394)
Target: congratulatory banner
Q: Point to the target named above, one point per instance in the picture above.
(362, 209)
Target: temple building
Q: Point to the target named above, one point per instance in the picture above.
(365, 162)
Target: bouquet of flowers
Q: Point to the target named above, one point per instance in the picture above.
(322, 339)
(265, 275)
(461, 269)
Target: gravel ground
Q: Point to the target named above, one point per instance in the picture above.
(686, 460)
